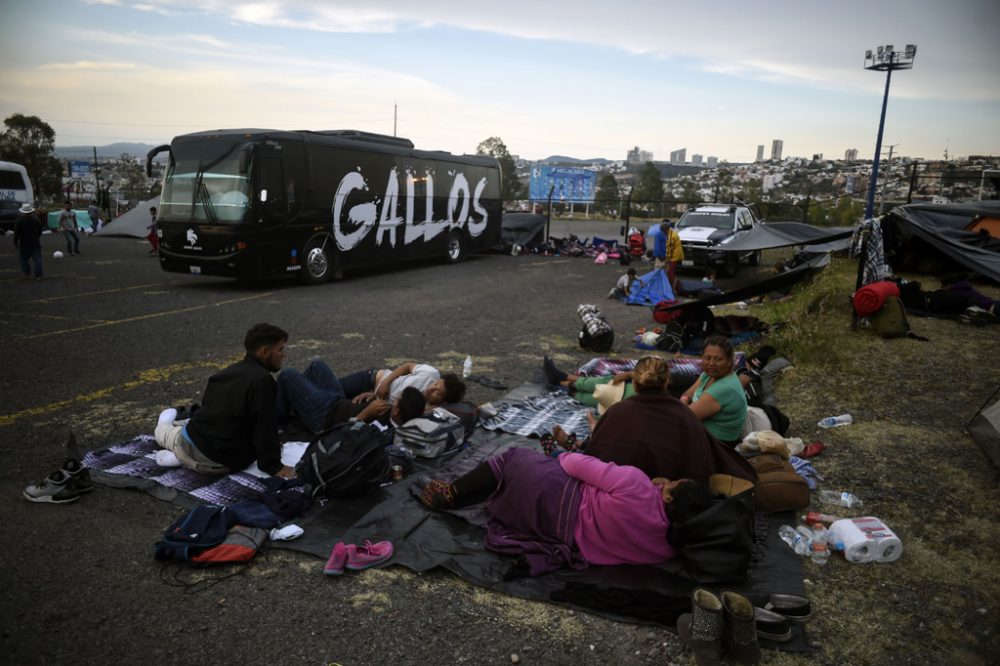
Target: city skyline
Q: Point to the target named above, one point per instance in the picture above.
(586, 83)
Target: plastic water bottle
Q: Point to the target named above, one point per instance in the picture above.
(839, 498)
(797, 538)
(467, 366)
(836, 421)
(820, 549)
(814, 517)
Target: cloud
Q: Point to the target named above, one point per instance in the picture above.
(90, 65)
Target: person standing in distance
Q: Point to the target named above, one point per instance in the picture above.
(674, 253)
(28, 239)
(151, 236)
(237, 422)
(68, 226)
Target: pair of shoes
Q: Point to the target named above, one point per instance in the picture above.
(771, 626)
(720, 623)
(438, 494)
(792, 607)
(58, 487)
(977, 316)
(356, 558)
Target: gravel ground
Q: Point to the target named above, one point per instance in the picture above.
(107, 340)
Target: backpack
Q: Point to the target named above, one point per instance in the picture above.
(240, 545)
(892, 322)
(596, 334)
(428, 436)
(198, 530)
(662, 315)
(345, 461)
(671, 339)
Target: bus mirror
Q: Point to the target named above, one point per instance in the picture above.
(153, 153)
(244, 164)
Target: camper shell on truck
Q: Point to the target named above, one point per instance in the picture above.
(252, 203)
(705, 230)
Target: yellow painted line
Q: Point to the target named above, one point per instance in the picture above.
(145, 377)
(90, 293)
(152, 315)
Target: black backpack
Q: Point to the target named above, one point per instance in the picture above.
(345, 461)
(201, 528)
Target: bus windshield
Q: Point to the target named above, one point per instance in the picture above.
(204, 184)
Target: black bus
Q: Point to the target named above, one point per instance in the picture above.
(251, 203)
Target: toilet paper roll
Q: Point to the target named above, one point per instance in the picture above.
(885, 546)
(858, 547)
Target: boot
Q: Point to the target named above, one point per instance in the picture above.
(739, 638)
(701, 629)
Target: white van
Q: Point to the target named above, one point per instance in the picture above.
(15, 189)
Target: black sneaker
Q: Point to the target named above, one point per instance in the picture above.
(58, 488)
(79, 474)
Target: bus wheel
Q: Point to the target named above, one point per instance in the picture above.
(455, 250)
(317, 266)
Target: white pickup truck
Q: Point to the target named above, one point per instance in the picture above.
(706, 229)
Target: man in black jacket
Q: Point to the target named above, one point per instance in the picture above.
(27, 238)
(236, 423)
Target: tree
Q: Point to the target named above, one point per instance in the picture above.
(495, 147)
(649, 189)
(132, 177)
(608, 194)
(28, 140)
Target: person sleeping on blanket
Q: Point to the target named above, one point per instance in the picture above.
(574, 510)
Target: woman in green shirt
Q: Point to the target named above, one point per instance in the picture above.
(717, 397)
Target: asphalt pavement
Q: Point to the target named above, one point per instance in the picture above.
(107, 340)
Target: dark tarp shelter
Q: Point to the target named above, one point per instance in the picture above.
(936, 231)
(524, 229)
(650, 289)
(781, 280)
(134, 224)
(785, 234)
(985, 428)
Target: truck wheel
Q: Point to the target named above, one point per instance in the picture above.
(755, 258)
(316, 264)
(456, 251)
(732, 265)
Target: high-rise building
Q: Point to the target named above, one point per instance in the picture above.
(696, 160)
(851, 154)
(776, 147)
(638, 156)
(678, 156)
(713, 161)
(760, 152)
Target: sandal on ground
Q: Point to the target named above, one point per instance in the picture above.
(438, 494)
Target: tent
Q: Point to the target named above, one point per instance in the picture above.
(82, 219)
(785, 234)
(134, 223)
(920, 234)
(650, 289)
(985, 428)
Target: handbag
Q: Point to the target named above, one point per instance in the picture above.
(716, 545)
(778, 487)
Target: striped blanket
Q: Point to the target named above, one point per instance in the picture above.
(536, 415)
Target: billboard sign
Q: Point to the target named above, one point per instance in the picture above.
(568, 184)
(79, 168)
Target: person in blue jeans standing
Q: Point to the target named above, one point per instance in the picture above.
(68, 226)
(27, 238)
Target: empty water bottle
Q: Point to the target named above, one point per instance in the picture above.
(467, 366)
(820, 549)
(797, 538)
(836, 421)
(839, 498)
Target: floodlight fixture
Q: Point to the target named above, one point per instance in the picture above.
(884, 60)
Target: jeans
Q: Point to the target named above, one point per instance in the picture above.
(36, 259)
(312, 394)
(72, 241)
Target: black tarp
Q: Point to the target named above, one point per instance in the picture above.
(775, 282)
(524, 229)
(784, 234)
(942, 228)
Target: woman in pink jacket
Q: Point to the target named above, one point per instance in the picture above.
(573, 510)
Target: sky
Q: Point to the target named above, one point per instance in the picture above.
(585, 79)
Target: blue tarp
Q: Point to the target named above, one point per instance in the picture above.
(650, 289)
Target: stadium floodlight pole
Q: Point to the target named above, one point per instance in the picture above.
(884, 59)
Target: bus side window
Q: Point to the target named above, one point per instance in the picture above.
(272, 185)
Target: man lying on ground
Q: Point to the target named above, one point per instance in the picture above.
(321, 400)
(236, 423)
(439, 389)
